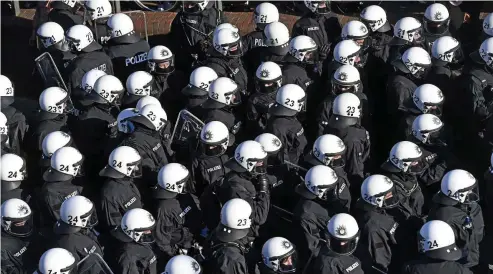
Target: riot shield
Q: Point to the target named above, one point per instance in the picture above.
(187, 127)
(93, 263)
(49, 72)
(138, 17)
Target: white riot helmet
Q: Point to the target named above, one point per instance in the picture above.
(407, 157)
(53, 102)
(268, 77)
(375, 18)
(57, 260)
(76, 212)
(223, 92)
(147, 100)
(51, 33)
(225, 26)
(461, 186)
(52, 142)
(194, 6)
(328, 150)
(172, 180)
(124, 125)
(378, 190)
(265, 13)
(124, 161)
(65, 164)
(271, 143)
(235, 220)
(13, 171)
(436, 19)
(427, 128)
(290, 100)
(320, 182)
(358, 32)
(80, 38)
(347, 105)
(488, 24)
(486, 52)
(348, 52)
(436, 239)
(17, 218)
(428, 98)
(160, 60)
(303, 49)
(139, 84)
(214, 138)
(200, 82)
(409, 29)
(343, 234)
(279, 255)
(138, 224)
(250, 156)
(4, 129)
(318, 6)
(90, 78)
(227, 42)
(107, 90)
(182, 264)
(98, 8)
(276, 38)
(151, 116)
(6, 91)
(121, 27)
(417, 62)
(346, 79)
(447, 50)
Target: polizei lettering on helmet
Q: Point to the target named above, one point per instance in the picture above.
(139, 58)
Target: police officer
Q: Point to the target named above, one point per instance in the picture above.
(74, 230)
(54, 106)
(268, 79)
(86, 87)
(207, 167)
(52, 38)
(457, 204)
(139, 84)
(146, 139)
(405, 163)
(65, 13)
(57, 260)
(284, 123)
(487, 29)
(177, 212)
(101, 110)
(319, 199)
(169, 81)
(275, 168)
(134, 241)
(99, 9)
(345, 79)
(125, 127)
(19, 250)
(12, 174)
(4, 133)
(375, 19)
(191, 31)
(224, 96)
(336, 256)
(126, 49)
(89, 55)
(51, 143)
(119, 193)
(276, 40)
(408, 32)
(345, 123)
(147, 100)
(197, 90)
(438, 251)
(380, 241)
(182, 264)
(62, 181)
(15, 120)
(279, 256)
(436, 24)
(320, 24)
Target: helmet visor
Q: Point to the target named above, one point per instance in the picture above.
(454, 56)
(20, 226)
(233, 97)
(435, 109)
(288, 263)
(79, 167)
(90, 219)
(311, 56)
(136, 168)
(471, 194)
(322, 7)
(191, 6)
(343, 246)
(338, 88)
(267, 86)
(335, 160)
(436, 27)
(416, 166)
(213, 149)
(163, 66)
(416, 36)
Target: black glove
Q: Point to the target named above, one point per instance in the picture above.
(263, 183)
(323, 51)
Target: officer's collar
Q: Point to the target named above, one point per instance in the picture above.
(442, 199)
